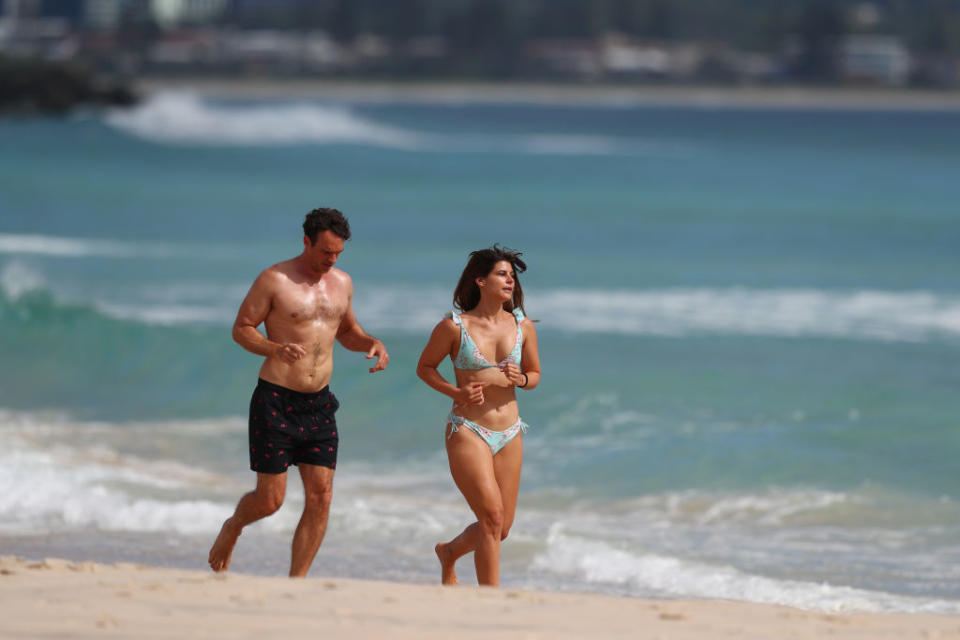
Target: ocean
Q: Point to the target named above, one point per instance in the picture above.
(749, 324)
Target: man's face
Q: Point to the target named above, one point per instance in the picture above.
(324, 253)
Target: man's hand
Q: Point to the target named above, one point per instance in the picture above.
(380, 353)
(290, 352)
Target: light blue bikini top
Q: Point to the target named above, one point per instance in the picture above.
(469, 356)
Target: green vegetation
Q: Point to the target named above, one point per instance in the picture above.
(30, 85)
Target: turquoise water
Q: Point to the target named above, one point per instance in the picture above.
(749, 324)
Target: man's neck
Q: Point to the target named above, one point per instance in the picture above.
(302, 264)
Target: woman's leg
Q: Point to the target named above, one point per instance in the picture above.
(506, 468)
(472, 467)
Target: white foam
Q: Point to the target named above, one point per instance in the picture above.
(60, 475)
(875, 315)
(770, 508)
(656, 574)
(184, 118)
(17, 279)
(891, 316)
(40, 493)
(868, 315)
(596, 145)
(169, 314)
(61, 247)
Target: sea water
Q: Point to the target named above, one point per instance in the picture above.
(749, 325)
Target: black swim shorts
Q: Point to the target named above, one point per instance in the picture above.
(288, 427)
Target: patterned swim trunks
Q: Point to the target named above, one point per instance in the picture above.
(288, 427)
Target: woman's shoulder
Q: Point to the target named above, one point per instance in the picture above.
(450, 322)
(525, 323)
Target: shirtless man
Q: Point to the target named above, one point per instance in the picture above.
(305, 304)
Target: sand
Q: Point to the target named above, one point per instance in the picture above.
(60, 599)
(562, 94)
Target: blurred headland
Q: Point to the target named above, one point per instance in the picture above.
(780, 52)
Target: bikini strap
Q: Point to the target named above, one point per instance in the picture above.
(518, 314)
(453, 315)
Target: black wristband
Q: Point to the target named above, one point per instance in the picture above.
(526, 379)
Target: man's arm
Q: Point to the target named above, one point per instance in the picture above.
(352, 336)
(253, 311)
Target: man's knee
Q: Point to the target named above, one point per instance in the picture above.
(318, 500)
(269, 500)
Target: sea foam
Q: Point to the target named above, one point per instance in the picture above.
(873, 315)
(911, 316)
(182, 118)
(653, 574)
(60, 247)
(865, 314)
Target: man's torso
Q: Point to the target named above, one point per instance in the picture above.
(307, 313)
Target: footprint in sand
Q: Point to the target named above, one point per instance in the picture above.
(672, 617)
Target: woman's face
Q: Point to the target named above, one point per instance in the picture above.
(499, 282)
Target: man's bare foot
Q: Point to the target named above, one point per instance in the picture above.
(448, 575)
(223, 546)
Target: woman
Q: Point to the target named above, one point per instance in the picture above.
(494, 351)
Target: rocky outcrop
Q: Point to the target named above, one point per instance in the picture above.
(30, 85)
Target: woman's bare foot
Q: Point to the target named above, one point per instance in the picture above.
(448, 575)
(222, 548)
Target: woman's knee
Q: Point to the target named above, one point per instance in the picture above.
(491, 520)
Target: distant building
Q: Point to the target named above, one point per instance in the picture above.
(874, 59)
(573, 57)
(621, 56)
(102, 14)
(172, 13)
(26, 30)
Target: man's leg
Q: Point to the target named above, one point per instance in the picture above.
(317, 494)
(259, 503)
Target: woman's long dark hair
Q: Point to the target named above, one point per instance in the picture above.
(467, 294)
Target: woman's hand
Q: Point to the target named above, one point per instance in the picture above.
(513, 374)
(470, 393)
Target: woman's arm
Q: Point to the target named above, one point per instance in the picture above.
(438, 347)
(531, 356)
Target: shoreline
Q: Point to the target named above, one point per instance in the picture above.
(459, 92)
(59, 598)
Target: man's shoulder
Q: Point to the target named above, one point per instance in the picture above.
(341, 276)
(278, 271)
(273, 277)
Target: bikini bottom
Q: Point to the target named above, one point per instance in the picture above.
(496, 440)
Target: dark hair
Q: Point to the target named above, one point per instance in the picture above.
(467, 294)
(325, 219)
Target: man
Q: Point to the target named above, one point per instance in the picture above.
(305, 303)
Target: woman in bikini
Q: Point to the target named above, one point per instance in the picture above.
(494, 351)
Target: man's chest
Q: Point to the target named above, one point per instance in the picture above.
(309, 305)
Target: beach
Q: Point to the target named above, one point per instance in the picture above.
(748, 321)
(58, 598)
(547, 93)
